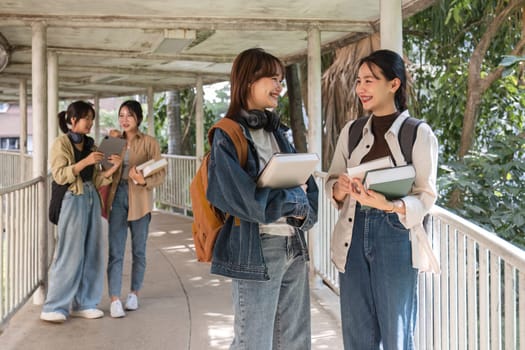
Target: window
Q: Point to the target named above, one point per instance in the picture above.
(4, 107)
(10, 143)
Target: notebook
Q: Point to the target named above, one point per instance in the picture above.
(393, 183)
(285, 170)
(361, 169)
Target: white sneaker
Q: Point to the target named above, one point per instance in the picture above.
(116, 310)
(132, 302)
(88, 313)
(55, 317)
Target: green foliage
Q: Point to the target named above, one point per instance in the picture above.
(187, 115)
(439, 44)
(492, 185)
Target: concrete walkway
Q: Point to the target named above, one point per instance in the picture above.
(182, 306)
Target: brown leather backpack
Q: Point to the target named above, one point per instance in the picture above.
(208, 220)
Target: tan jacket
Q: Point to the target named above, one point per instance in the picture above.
(417, 203)
(142, 148)
(62, 161)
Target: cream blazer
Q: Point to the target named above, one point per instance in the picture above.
(417, 203)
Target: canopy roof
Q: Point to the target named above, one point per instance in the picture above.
(122, 47)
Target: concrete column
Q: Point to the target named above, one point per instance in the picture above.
(391, 19)
(199, 121)
(52, 98)
(151, 117)
(314, 93)
(314, 129)
(39, 104)
(97, 118)
(22, 101)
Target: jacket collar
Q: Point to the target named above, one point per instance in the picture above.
(394, 129)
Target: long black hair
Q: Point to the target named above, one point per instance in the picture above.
(77, 110)
(391, 66)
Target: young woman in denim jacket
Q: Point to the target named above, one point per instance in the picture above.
(76, 276)
(262, 245)
(377, 249)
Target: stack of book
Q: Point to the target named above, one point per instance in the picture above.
(152, 166)
(381, 175)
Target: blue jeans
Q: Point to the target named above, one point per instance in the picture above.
(76, 276)
(118, 232)
(378, 290)
(274, 314)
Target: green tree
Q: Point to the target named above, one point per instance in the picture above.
(187, 121)
(455, 49)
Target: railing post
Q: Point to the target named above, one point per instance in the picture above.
(24, 172)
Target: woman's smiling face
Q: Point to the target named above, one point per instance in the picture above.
(375, 92)
(127, 120)
(265, 92)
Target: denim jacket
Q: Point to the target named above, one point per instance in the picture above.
(232, 189)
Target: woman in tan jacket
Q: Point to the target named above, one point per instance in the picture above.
(131, 202)
(76, 276)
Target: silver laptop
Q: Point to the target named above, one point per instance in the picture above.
(285, 170)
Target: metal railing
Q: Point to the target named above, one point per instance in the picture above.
(477, 302)
(19, 253)
(12, 170)
(174, 192)
(474, 303)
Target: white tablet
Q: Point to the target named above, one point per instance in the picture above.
(108, 146)
(285, 170)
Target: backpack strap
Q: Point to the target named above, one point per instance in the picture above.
(407, 136)
(235, 133)
(355, 133)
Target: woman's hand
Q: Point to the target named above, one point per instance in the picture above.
(342, 187)
(137, 176)
(92, 158)
(116, 161)
(368, 197)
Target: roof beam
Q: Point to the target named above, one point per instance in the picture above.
(132, 54)
(142, 71)
(194, 23)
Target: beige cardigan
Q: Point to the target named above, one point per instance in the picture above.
(417, 203)
(62, 160)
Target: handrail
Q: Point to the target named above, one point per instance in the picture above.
(13, 188)
(499, 246)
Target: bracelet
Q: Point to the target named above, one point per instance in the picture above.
(396, 203)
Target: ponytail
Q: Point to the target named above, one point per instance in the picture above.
(62, 121)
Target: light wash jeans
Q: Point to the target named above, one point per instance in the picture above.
(118, 233)
(274, 314)
(378, 290)
(76, 276)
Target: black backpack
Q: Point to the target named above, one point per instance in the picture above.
(407, 135)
